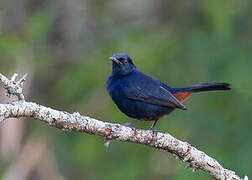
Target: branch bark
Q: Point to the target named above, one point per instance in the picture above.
(75, 122)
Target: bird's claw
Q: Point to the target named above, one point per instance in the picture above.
(133, 128)
(154, 131)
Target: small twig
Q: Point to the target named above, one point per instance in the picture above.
(12, 86)
(13, 78)
(21, 81)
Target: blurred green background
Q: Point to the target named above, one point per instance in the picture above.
(64, 47)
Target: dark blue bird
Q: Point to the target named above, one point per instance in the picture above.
(143, 97)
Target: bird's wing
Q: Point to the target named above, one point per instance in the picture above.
(152, 93)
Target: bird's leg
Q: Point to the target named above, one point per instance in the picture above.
(128, 124)
(152, 126)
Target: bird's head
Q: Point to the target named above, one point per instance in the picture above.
(122, 64)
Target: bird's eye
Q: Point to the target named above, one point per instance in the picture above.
(123, 60)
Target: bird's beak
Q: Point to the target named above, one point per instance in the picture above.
(115, 60)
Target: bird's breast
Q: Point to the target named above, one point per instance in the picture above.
(118, 88)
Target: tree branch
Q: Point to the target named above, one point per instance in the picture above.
(75, 122)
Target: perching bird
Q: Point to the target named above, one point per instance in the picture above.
(143, 97)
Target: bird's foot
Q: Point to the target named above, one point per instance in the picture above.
(127, 124)
(154, 131)
(130, 123)
(133, 128)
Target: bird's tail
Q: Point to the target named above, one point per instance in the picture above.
(204, 87)
(182, 93)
